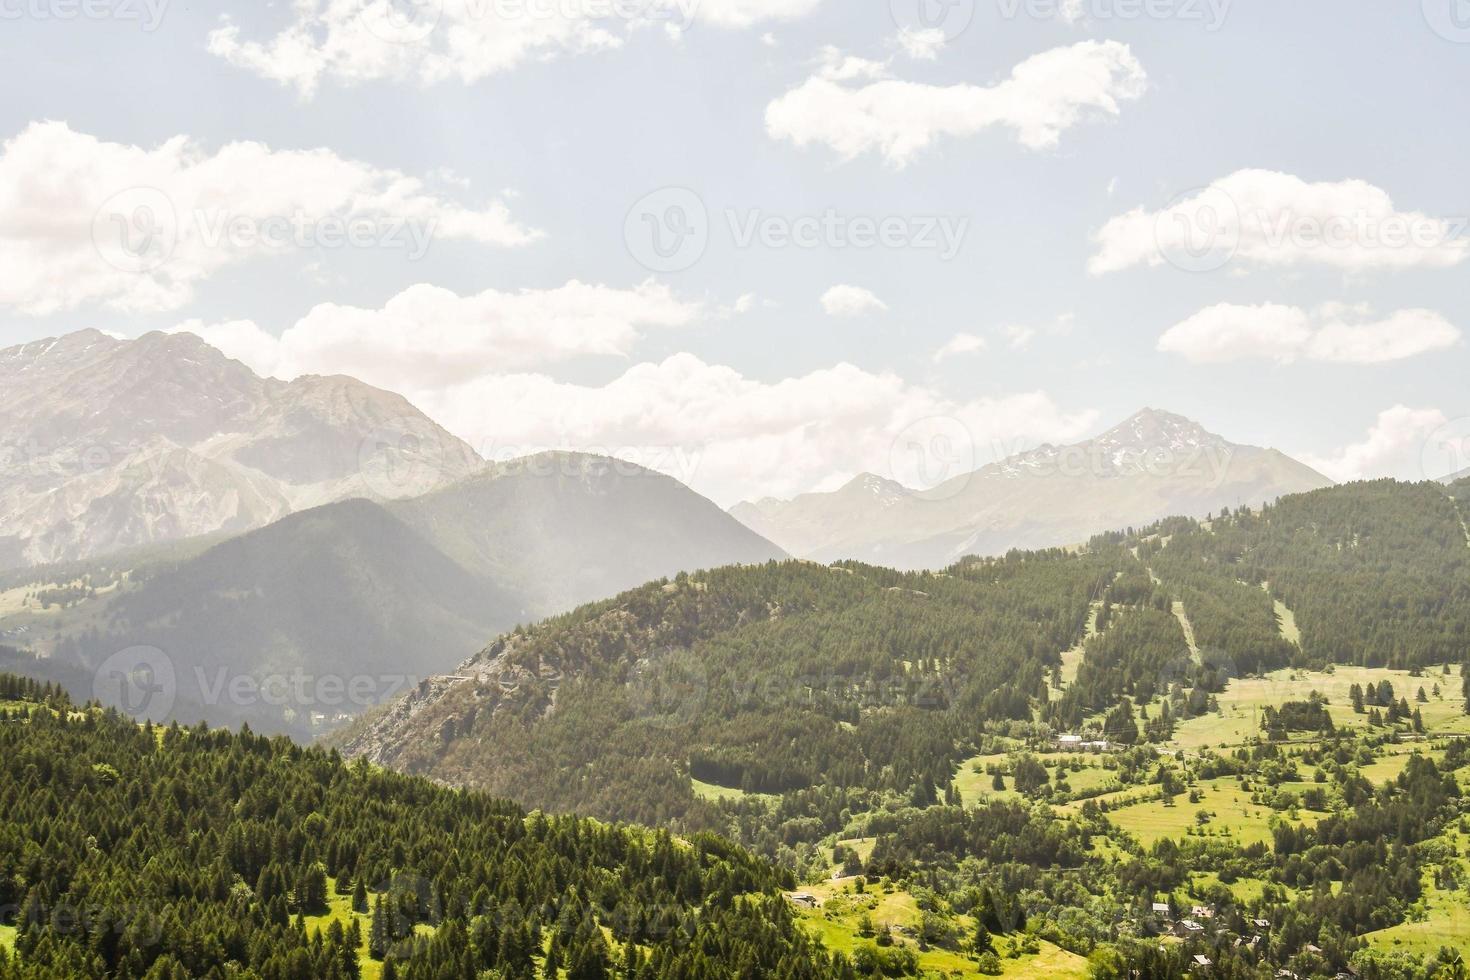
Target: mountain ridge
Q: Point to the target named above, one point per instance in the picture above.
(1152, 465)
(370, 590)
(118, 443)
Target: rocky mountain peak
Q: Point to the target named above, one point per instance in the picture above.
(878, 488)
(1154, 429)
(85, 415)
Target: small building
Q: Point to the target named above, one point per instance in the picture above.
(1202, 960)
(1262, 924)
(802, 900)
(1189, 927)
(1078, 743)
(1162, 908)
(1202, 912)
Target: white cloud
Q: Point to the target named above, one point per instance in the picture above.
(1394, 447)
(86, 222)
(923, 45)
(1407, 333)
(960, 343)
(1335, 334)
(1019, 336)
(1227, 332)
(1275, 220)
(1045, 95)
(428, 338)
(732, 437)
(743, 13)
(353, 41)
(834, 66)
(851, 301)
(729, 436)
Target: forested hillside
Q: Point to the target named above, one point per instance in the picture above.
(1378, 574)
(135, 851)
(1250, 750)
(776, 678)
(364, 595)
(793, 676)
(1245, 731)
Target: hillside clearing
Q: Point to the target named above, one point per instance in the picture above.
(1233, 815)
(1243, 701)
(838, 921)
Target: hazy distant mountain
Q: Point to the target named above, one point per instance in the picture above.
(568, 528)
(1153, 465)
(382, 594)
(108, 444)
(1456, 477)
(343, 591)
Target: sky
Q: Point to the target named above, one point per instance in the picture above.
(760, 244)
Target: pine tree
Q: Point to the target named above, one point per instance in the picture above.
(982, 941)
(359, 896)
(379, 935)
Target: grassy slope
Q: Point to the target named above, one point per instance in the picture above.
(1447, 922)
(340, 910)
(1243, 701)
(1072, 659)
(709, 791)
(1234, 816)
(836, 923)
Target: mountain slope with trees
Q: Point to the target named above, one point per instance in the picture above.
(371, 597)
(249, 842)
(797, 678)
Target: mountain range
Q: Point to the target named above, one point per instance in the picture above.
(111, 444)
(163, 497)
(167, 498)
(385, 592)
(1153, 465)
